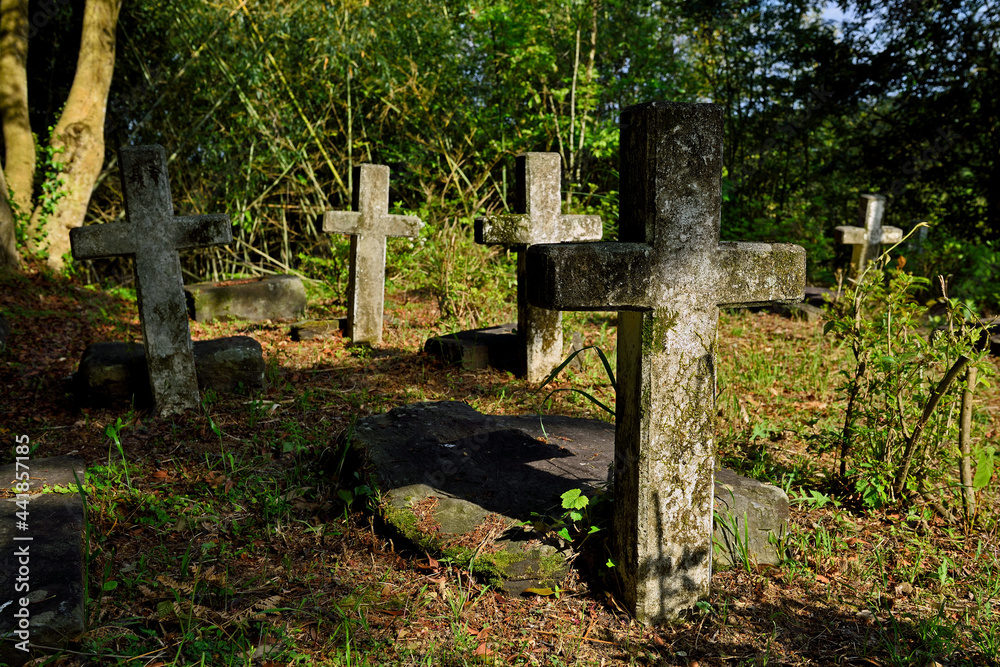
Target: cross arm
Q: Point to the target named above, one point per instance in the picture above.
(891, 234)
(589, 276)
(402, 225)
(198, 231)
(758, 273)
(857, 235)
(109, 239)
(512, 229)
(343, 222)
(850, 235)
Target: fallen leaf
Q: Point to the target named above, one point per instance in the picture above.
(482, 651)
(821, 579)
(392, 612)
(904, 588)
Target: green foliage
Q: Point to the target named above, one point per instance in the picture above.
(49, 171)
(899, 433)
(578, 520)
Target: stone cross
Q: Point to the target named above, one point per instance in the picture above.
(537, 219)
(669, 274)
(869, 237)
(368, 224)
(153, 236)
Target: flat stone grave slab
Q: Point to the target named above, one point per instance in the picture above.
(54, 579)
(491, 347)
(461, 483)
(112, 373)
(276, 298)
(317, 329)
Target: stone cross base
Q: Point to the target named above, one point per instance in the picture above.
(492, 347)
(112, 373)
(456, 479)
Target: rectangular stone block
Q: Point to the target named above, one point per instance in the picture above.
(275, 298)
(111, 373)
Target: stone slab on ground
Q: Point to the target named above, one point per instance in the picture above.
(116, 372)
(492, 347)
(820, 296)
(317, 329)
(278, 298)
(456, 479)
(57, 472)
(798, 311)
(54, 562)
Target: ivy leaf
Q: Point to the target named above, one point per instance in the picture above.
(573, 500)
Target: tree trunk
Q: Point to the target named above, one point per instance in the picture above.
(9, 259)
(19, 164)
(80, 130)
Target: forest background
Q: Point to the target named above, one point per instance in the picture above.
(265, 107)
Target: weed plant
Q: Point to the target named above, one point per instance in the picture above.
(904, 394)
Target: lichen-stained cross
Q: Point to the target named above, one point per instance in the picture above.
(869, 237)
(154, 237)
(537, 219)
(368, 224)
(670, 274)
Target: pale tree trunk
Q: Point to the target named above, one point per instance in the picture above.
(9, 259)
(19, 163)
(80, 130)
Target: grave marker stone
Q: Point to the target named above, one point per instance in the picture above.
(537, 219)
(868, 238)
(153, 237)
(669, 275)
(368, 224)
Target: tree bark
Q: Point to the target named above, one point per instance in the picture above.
(19, 163)
(9, 259)
(80, 130)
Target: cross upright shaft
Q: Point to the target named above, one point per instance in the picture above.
(153, 237)
(368, 224)
(668, 274)
(537, 219)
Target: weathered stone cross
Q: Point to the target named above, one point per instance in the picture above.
(867, 239)
(154, 237)
(368, 224)
(537, 219)
(670, 274)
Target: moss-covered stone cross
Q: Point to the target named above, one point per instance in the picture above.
(669, 274)
(369, 223)
(869, 237)
(153, 236)
(537, 219)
